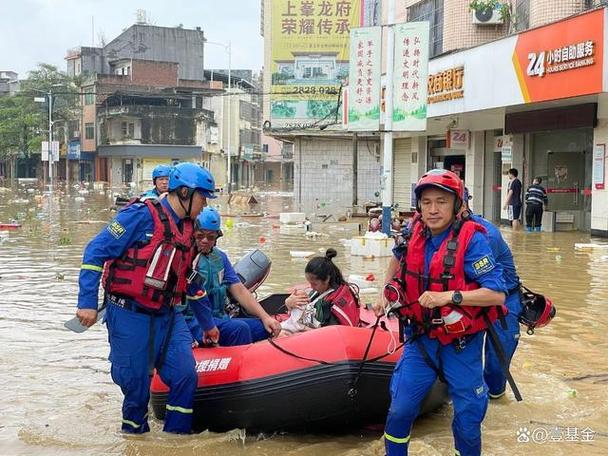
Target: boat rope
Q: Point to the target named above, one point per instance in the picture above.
(361, 364)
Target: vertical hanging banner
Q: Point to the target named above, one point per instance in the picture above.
(410, 76)
(364, 79)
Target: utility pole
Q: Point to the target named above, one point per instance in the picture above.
(229, 117)
(387, 191)
(50, 152)
(355, 170)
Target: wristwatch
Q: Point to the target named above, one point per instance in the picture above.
(457, 297)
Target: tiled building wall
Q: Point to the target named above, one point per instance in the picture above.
(545, 11)
(459, 31)
(323, 173)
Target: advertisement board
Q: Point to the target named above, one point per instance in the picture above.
(309, 59)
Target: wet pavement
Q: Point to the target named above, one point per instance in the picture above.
(59, 398)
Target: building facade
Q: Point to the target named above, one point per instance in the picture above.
(145, 101)
(532, 100)
(526, 90)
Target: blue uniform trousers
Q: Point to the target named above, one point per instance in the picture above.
(233, 331)
(129, 336)
(412, 380)
(509, 338)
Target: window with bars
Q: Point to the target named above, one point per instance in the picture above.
(89, 131)
(432, 11)
(522, 15)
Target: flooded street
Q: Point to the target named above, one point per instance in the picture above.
(58, 397)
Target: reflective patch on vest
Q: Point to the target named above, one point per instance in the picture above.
(116, 229)
(483, 266)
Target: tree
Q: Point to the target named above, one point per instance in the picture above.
(24, 123)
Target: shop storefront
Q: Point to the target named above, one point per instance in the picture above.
(543, 88)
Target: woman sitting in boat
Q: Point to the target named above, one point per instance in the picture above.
(332, 301)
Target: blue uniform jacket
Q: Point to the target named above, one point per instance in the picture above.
(152, 193)
(134, 223)
(501, 251)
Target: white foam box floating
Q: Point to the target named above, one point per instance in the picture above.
(362, 246)
(582, 246)
(292, 218)
(300, 254)
(292, 229)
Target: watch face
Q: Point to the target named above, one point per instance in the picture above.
(457, 297)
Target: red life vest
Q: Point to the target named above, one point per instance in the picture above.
(446, 272)
(344, 305)
(126, 276)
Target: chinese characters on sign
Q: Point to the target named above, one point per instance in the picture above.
(561, 59)
(364, 78)
(310, 52)
(410, 76)
(446, 85)
(326, 17)
(599, 164)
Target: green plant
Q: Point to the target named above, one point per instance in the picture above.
(504, 8)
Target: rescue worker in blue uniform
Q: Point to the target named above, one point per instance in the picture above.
(509, 337)
(145, 255)
(217, 276)
(451, 288)
(160, 179)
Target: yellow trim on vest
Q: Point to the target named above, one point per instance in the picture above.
(174, 408)
(390, 438)
(133, 424)
(91, 267)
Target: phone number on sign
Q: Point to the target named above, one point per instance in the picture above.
(312, 90)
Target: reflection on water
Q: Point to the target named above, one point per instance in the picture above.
(59, 398)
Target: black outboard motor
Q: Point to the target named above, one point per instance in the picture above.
(252, 269)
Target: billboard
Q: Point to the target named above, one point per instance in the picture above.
(309, 59)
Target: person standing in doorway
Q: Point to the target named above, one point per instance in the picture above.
(536, 199)
(513, 202)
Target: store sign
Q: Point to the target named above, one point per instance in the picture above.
(599, 165)
(527, 68)
(74, 150)
(561, 60)
(446, 85)
(565, 58)
(458, 139)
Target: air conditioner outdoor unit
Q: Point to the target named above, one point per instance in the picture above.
(487, 16)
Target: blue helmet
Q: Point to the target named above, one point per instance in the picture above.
(161, 171)
(209, 219)
(192, 176)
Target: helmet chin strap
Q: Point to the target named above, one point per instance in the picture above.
(189, 210)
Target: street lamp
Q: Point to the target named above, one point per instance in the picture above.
(49, 95)
(228, 48)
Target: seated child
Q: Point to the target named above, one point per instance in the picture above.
(332, 301)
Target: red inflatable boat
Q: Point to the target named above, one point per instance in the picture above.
(312, 380)
(9, 226)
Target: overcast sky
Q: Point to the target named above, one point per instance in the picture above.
(33, 31)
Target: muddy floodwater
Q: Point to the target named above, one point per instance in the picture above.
(58, 398)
